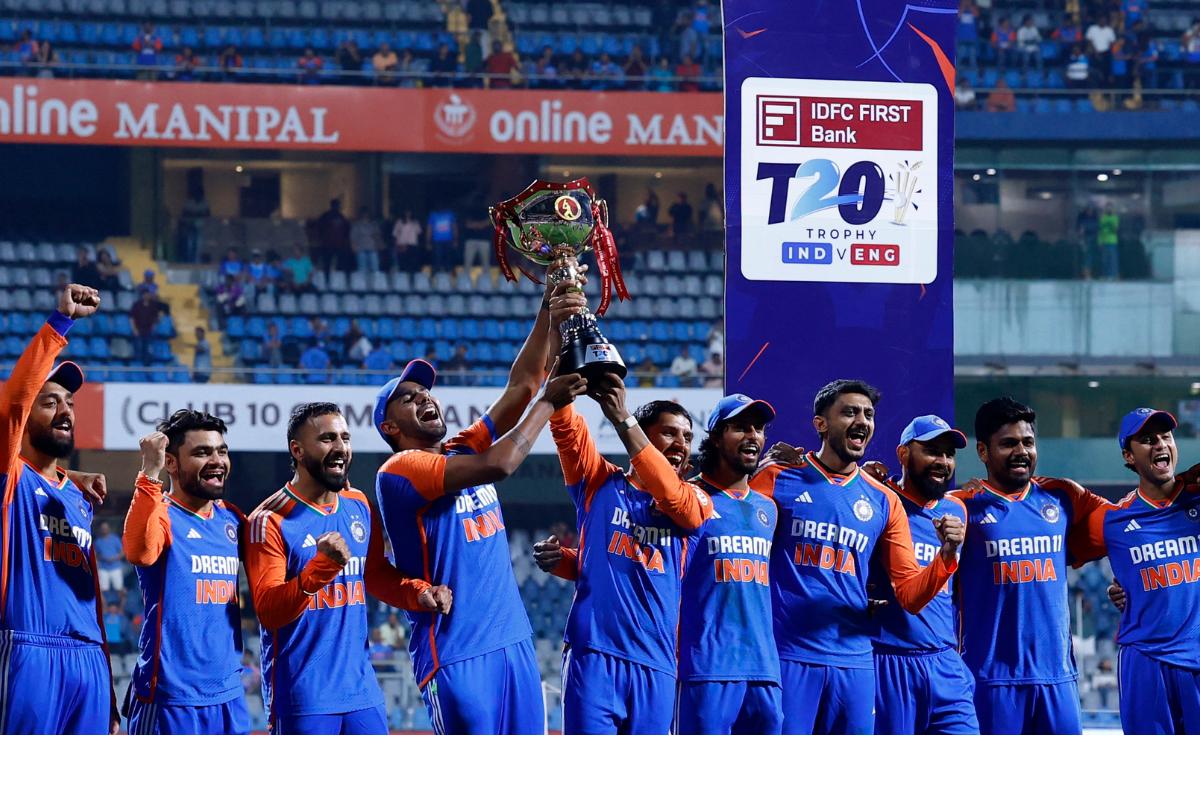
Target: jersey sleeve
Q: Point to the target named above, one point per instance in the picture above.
(763, 481)
(1085, 536)
(279, 600)
(914, 586)
(383, 579)
(568, 566)
(582, 465)
(147, 524)
(476, 438)
(24, 383)
(412, 478)
(686, 504)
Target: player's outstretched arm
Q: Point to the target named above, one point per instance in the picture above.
(94, 485)
(914, 586)
(147, 525)
(583, 468)
(31, 369)
(395, 588)
(279, 600)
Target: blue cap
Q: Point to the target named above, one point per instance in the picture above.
(732, 405)
(67, 375)
(1137, 419)
(418, 371)
(931, 426)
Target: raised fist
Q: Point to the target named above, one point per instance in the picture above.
(154, 454)
(951, 531)
(334, 546)
(77, 301)
(437, 598)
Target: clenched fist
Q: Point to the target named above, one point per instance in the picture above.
(1116, 595)
(154, 454)
(77, 302)
(334, 546)
(437, 598)
(951, 531)
(547, 553)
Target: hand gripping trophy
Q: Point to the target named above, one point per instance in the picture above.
(549, 223)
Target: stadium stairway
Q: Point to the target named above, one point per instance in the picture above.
(187, 310)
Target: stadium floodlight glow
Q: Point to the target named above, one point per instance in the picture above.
(239, 168)
(1045, 195)
(991, 170)
(1196, 387)
(1102, 177)
(658, 175)
(1116, 172)
(1093, 384)
(566, 173)
(976, 177)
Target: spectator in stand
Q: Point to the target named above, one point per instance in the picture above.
(230, 295)
(381, 651)
(349, 61)
(647, 373)
(366, 240)
(116, 631)
(186, 64)
(251, 672)
(688, 72)
(1001, 98)
(391, 632)
(430, 357)
(1101, 37)
(1146, 57)
(681, 217)
(968, 35)
(110, 273)
(27, 51)
(333, 231)
(232, 264)
(406, 233)
(712, 213)
(444, 66)
(144, 314)
(646, 215)
(964, 94)
(473, 58)
(606, 75)
(1070, 32)
(635, 68)
(542, 73)
(320, 330)
(500, 67)
(301, 267)
(684, 367)
(310, 65)
(1004, 40)
(1087, 228)
(1109, 243)
(712, 371)
(1190, 42)
(147, 46)
(385, 63)
(147, 284)
(406, 70)
(357, 345)
(700, 17)
(574, 70)
(1079, 75)
(1133, 11)
(85, 271)
(457, 367)
(686, 37)
(1029, 43)
(202, 362)
(441, 234)
(230, 64)
(272, 346)
(1105, 681)
(315, 362)
(110, 559)
(259, 272)
(661, 76)
(46, 59)
(715, 341)
(477, 239)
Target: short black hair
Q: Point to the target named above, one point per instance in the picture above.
(178, 425)
(996, 413)
(830, 392)
(709, 455)
(648, 414)
(302, 414)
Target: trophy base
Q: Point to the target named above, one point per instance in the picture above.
(592, 356)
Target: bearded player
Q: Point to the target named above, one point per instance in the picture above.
(314, 550)
(835, 521)
(54, 670)
(184, 544)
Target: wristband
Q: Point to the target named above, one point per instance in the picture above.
(152, 480)
(629, 423)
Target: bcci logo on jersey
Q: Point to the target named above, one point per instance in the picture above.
(863, 510)
(358, 531)
(1051, 513)
(231, 533)
(839, 181)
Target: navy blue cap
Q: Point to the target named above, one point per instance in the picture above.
(67, 375)
(732, 405)
(418, 371)
(931, 426)
(1137, 419)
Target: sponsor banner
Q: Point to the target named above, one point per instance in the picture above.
(257, 416)
(164, 114)
(839, 223)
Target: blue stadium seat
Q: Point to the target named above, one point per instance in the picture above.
(492, 330)
(1083, 106)
(450, 329)
(427, 329)
(681, 331)
(1062, 105)
(235, 327)
(1189, 105)
(666, 380)
(299, 327)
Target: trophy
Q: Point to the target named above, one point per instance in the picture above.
(548, 223)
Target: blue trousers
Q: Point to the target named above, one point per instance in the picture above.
(230, 717)
(364, 722)
(604, 694)
(924, 693)
(820, 699)
(53, 685)
(1157, 697)
(496, 693)
(725, 707)
(1038, 708)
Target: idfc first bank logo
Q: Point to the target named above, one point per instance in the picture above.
(839, 181)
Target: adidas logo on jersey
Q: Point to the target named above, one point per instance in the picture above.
(194, 534)
(1132, 526)
(715, 515)
(40, 492)
(309, 541)
(804, 498)
(988, 519)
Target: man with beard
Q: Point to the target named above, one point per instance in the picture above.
(311, 547)
(54, 670)
(619, 660)
(921, 683)
(1150, 540)
(728, 665)
(477, 669)
(834, 520)
(184, 545)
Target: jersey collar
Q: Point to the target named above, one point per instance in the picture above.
(1011, 498)
(1162, 503)
(291, 492)
(831, 477)
(212, 509)
(62, 473)
(725, 490)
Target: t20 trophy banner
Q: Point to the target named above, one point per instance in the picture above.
(839, 208)
(549, 224)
